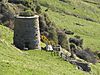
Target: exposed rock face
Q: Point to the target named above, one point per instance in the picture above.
(26, 32)
(81, 65)
(86, 55)
(76, 41)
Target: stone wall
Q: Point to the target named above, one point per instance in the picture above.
(27, 32)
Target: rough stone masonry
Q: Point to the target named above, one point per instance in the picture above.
(27, 32)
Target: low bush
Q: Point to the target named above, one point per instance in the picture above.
(27, 13)
(53, 34)
(62, 39)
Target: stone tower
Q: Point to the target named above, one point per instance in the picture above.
(26, 32)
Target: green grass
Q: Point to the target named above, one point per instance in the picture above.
(33, 62)
(90, 32)
(36, 62)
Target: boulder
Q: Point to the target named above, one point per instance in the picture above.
(76, 41)
(64, 54)
(68, 32)
(81, 65)
(86, 55)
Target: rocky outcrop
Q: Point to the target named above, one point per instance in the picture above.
(86, 55)
(81, 65)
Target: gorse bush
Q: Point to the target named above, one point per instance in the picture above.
(46, 40)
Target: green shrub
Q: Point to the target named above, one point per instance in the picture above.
(53, 34)
(42, 23)
(48, 28)
(47, 19)
(38, 9)
(62, 40)
(27, 13)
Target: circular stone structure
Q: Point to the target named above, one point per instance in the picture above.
(27, 32)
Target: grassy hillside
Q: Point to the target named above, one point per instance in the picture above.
(80, 16)
(33, 62)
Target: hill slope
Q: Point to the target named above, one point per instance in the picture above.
(80, 16)
(16, 62)
(33, 62)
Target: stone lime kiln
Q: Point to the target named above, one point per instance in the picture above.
(27, 32)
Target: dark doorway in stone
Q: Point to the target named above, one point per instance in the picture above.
(26, 46)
